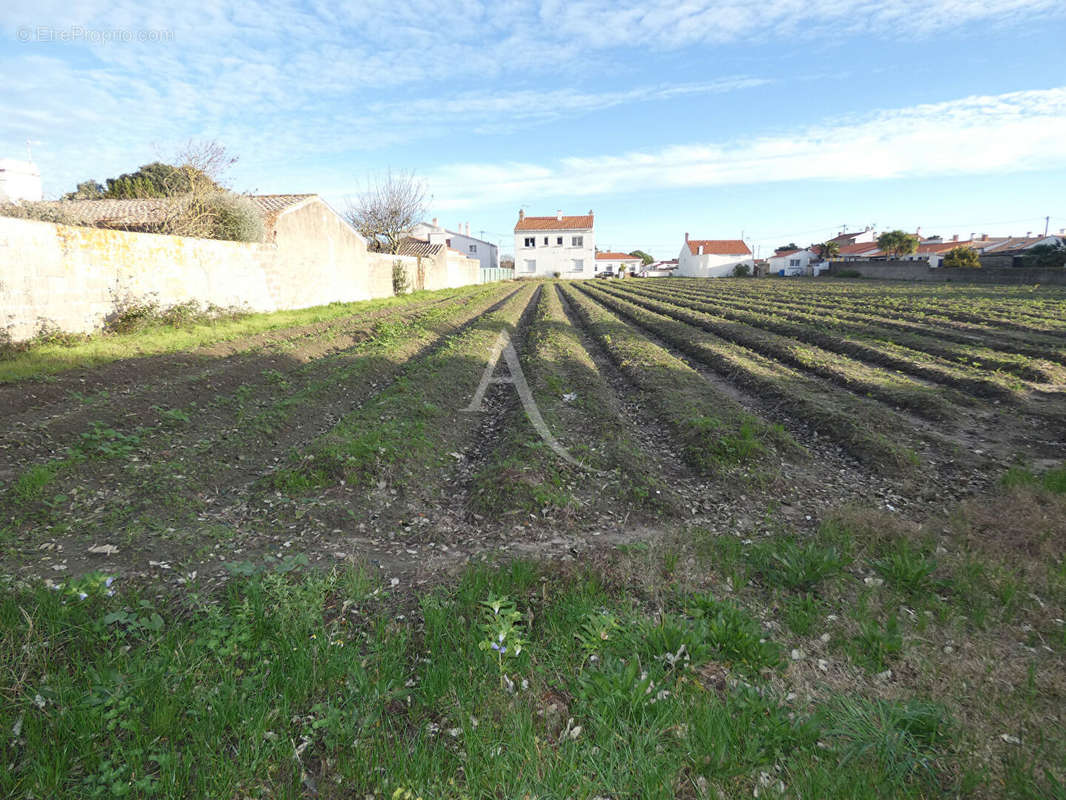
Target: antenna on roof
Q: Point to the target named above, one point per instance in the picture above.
(29, 154)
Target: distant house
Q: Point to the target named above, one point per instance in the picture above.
(485, 252)
(712, 258)
(563, 245)
(614, 261)
(659, 269)
(795, 262)
(865, 236)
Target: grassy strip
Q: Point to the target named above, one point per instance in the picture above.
(850, 374)
(416, 422)
(49, 358)
(289, 686)
(862, 427)
(524, 476)
(963, 350)
(857, 341)
(713, 429)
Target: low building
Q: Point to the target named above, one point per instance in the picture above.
(485, 252)
(19, 180)
(796, 262)
(712, 258)
(613, 262)
(659, 269)
(562, 246)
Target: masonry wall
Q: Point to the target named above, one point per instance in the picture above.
(920, 271)
(74, 278)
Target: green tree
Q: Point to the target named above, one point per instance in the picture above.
(789, 246)
(741, 270)
(962, 257)
(156, 180)
(1046, 255)
(830, 249)
(898, 243)
(645, 258)
(86, 190)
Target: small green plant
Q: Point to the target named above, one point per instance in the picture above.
(906, 568)
(503, 632)
(800, 613)
(735, 636)
(101, 441)
(172, 416)
(597, 629)
(875, 646)
(791, 565)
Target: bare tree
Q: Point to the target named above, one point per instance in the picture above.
(385, 213)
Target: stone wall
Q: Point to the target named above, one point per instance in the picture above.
(74, 278)
(920, 271)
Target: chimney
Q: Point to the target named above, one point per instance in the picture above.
(521, 215)
(434, 222)
(984, 237)
(700, 250)
(972, 235)
(559, 215)
(1028, 234)
(955, 238)
(686, 236)
(590, 212)
(467, 229)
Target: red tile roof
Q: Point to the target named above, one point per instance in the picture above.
(617, 257)
(580, 223)
(784, 253)
(718, 247)
(859, 249)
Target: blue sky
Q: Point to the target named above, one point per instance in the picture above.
(779, 119)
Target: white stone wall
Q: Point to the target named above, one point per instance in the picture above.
(709, 265)
(552, 257)
(73, 278)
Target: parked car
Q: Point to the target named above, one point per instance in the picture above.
(606, 274)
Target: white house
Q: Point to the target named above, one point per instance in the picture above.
(796, 262)
(19, 180)
(461, 240)
(614, 261)
(712, 258)
(548, 245)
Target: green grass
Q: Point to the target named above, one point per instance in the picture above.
(51, 357)
(287, 683)
(1052, 480)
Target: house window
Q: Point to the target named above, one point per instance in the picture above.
(559, 241)
(531, 241)
(577, 241)
(473, 248)
(793, 262)
(579, 265)
(531, 265)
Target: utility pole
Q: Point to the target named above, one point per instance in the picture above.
(1047, 221)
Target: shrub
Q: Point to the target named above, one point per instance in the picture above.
(1046, 255)
(400, 284)
(41, 212)
(962, 257)
(741, 271)
(232, 218)
(847, 273)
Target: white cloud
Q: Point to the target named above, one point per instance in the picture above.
(980, 134)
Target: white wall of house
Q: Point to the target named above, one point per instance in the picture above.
(571, 253)
(486, 253)
(19, 180)
(710, 265)
(798, 263)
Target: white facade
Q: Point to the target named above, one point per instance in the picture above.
(486, 253)
(561, 244)
(797, 262)
(19, 180)
(712, 258)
